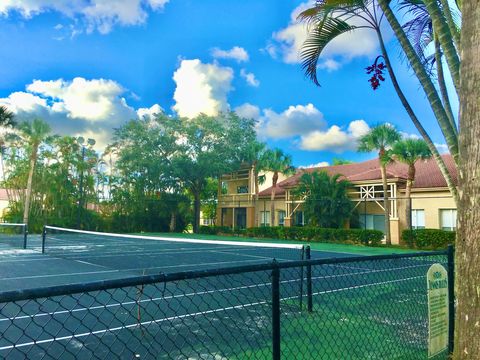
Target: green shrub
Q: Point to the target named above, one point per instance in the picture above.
(215, 230)
(428, 239)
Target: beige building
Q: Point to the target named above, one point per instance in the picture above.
(432, 203)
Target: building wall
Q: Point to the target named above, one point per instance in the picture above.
(432, 202)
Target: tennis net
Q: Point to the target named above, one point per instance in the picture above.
(13, 235)
(136, 252)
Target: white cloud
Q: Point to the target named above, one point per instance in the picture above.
(319, 164)
(288, 43)
(201, 88)
(236, 53)
(442, 148)
(248, 111)
(249, 78)
(150, 112)
(100, 15)
(296, 120)
(335, 139)
(91, 108)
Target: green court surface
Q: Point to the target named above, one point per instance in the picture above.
(326, 247)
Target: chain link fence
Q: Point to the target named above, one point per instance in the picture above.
(357, 308)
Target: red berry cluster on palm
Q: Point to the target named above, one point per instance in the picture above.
(376, 69)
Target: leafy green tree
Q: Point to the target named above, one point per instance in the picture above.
(329, 19)
(6, 117)
(339, 161)
(7, 121)
(409, 151)
(34, 133)
(380, 138)
(277, 162)
(209, 147)
(326, 199)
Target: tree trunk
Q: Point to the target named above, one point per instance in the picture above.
(408, 192)
(424, 79)
(442, 31)
(467, 319)
(172, 221)
(451, 24)
(442, 86)
(28, 195)
(386, 204)
(438, 158)
(272, 198)
(196, 211)
(255, 174)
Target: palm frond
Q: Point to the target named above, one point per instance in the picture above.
(318, 38)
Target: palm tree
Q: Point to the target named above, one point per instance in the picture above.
(421, 73)
(277, 162)
(380, 138)
(257, 156)
(326, 199)
(409, 151)
(7, 121)
(329, 19)
(35, 133)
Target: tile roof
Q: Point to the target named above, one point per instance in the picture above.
(428, 174)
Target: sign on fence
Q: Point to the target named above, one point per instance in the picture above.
(437, 286)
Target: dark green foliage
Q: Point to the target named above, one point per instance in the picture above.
(303, 233)
(428, 239)
(327, 204)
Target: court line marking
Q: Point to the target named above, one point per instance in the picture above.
(178, 317)
(193, 294)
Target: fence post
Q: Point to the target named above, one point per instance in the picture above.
(44, 235)
(309, 281)
(276, 312)
(451, 297)
(25, 233)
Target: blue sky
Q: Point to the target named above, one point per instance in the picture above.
(87, 66)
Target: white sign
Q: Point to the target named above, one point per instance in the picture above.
(437, 286)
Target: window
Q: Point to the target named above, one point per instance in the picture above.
(372, 222)
(448, 219)
(281, 218)
(206, 222)
(265, 218)
(418, 219)
(242, 189)
(299, 218)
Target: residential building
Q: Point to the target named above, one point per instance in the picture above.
(432, 204)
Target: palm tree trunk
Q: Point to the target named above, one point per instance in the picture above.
(440, 28)
(272, 198)
(255, 174)
(442, 86)
(424, 79)
(28, 195)
(451, 24)
(408, 195)
(438, 158)
(467, 244)
(386, 205)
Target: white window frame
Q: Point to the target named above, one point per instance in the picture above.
(264, 218)
(415, 213)
(453, 219)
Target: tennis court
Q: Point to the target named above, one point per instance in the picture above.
(207, 312)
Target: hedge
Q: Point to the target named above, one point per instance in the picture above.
(428, 239)
(305, 233)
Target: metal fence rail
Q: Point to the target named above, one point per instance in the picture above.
(360, 307)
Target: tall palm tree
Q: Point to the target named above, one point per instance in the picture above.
(7, 121)
(277, 162)
(329, 19)
(34, 133)
(409, 151)
(380, 138)
(257, 156)
(425, 80)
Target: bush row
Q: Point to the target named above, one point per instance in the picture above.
(428, 239)
(304, 233)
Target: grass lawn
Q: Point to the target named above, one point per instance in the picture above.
(339, 248)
